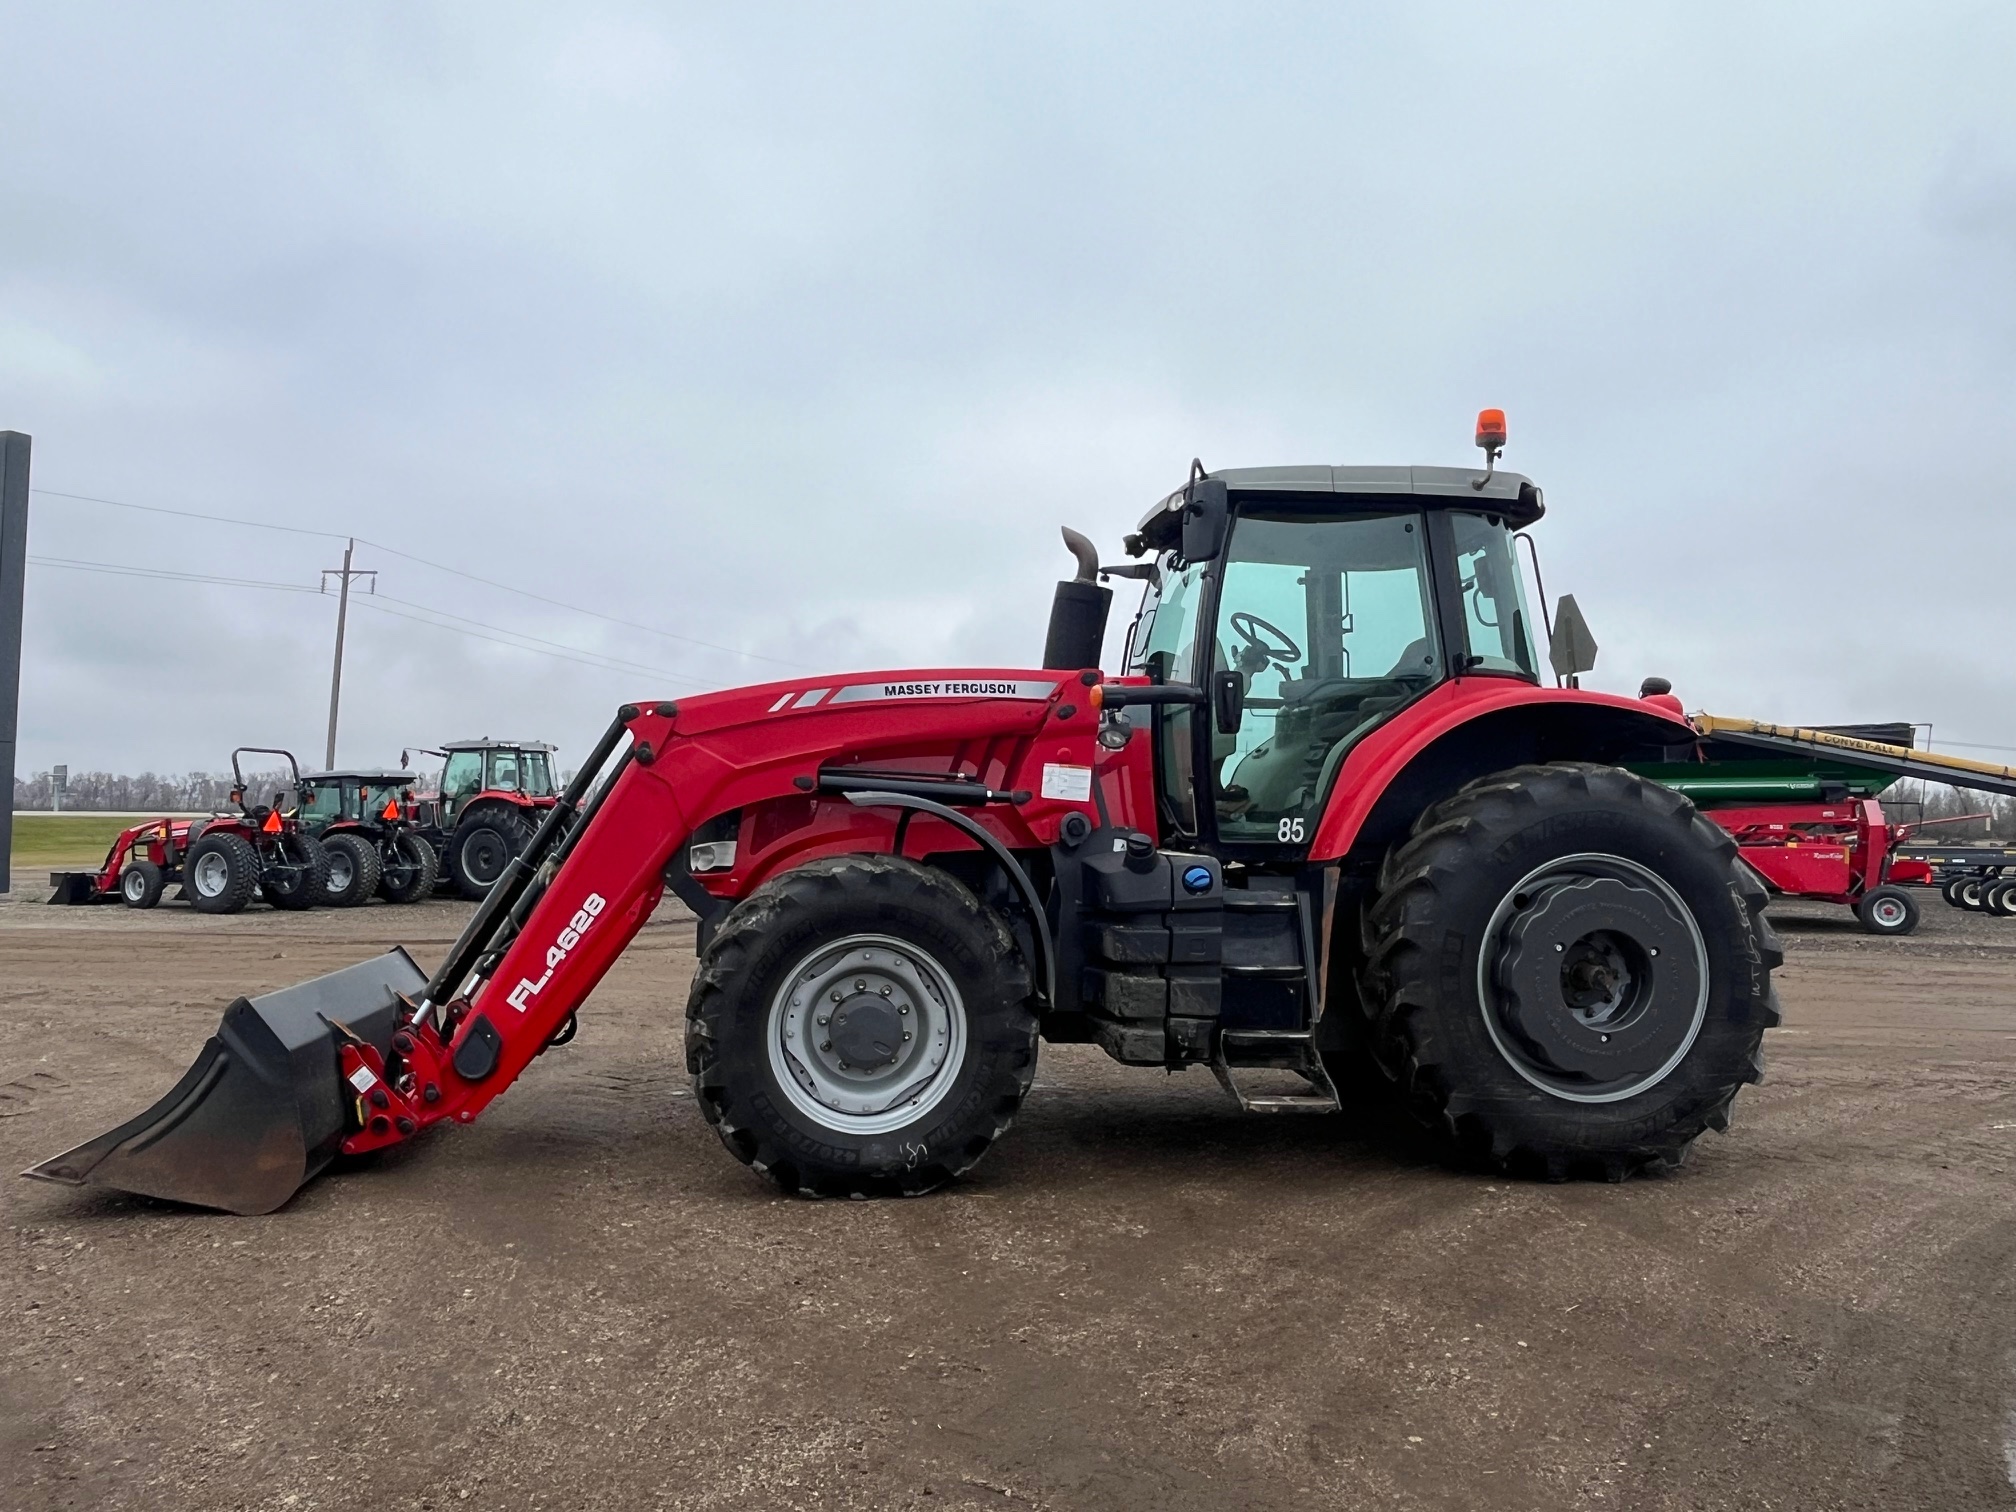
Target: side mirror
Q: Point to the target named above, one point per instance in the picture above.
(1228, 701)
(1572, 649)
(1205, 515)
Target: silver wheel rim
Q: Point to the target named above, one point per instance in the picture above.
(212, 874)
(341, 872)
(1888, 912)
(136, 887)
(878, 999)
(1585, 864)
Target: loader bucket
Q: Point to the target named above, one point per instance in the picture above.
(73, 887)
(265, 1106)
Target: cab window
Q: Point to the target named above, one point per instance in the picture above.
(1329, 622)
(463, 775)
(504, 771)
(1494, 595)
(322, 803)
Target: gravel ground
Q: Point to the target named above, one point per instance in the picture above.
(1141, 1299)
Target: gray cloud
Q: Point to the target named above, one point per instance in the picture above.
(800, 329)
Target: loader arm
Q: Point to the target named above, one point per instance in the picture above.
(369, 1056)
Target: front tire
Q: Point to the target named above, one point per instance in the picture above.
(408, 869)
(297, 874)
(1569, 972)
(140, 884)
(861, 1027)
(483, 846)
(352, 876)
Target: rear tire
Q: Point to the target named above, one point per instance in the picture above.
(1998, 897)
(219, 874)
(1609, 1052)
(1969, 893)
(483, 846)
(408, 869)
(352, 876)
(1950, 891)
(860, 935)
(299, 877)
(1887, 911)
(140, 884)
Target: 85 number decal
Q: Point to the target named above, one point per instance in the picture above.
(1289, 832)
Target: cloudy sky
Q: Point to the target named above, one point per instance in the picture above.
(785, 336)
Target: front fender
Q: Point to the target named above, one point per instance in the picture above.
(1468, 728)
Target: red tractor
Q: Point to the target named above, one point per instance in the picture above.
(220, 863)
(492, 795)
(1325, 828)
(367, 822)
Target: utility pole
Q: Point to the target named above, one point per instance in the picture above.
(343, 574)
(13, 579)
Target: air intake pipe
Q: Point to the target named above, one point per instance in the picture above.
(1078, 612)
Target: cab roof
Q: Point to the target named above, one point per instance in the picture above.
(487, 744)
(362, 774)
(1510, 494)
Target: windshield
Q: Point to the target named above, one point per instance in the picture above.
(1494, 596)
(1329, 623)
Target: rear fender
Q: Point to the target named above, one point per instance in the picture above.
(1469, 728)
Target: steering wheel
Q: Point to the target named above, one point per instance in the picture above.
(1250, 627)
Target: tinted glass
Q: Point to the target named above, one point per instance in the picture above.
(1165, 648)
(1330, 624)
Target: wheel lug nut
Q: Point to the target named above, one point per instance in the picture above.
(825, 1044)
(836, 990)
(859, 985)
(906, 1035)
(885, 991)
(825, 1018)
(844, 1066)
(905, 1008)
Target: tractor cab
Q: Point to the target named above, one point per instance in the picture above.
(1310, 605)
(520, 768)
(355, 797)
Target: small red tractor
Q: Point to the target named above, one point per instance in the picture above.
(367, 822)
(491, 797)
(220, 863)
(1325, 831)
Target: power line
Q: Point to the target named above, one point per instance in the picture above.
(577, 654)
(188, 514)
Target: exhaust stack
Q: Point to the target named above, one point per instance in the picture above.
(1078, 612)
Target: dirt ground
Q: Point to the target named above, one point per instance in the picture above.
(1142, 1299)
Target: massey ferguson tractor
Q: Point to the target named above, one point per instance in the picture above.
(221, 863)
(1324, 819)
(366, 822)
(492, 795)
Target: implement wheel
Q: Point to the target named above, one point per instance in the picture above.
(861, 1027)
(296, 871)
(1887, 911)
(483, 846)
(1568, 972)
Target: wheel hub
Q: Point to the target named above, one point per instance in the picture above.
(867, 1032)
(1600, 981)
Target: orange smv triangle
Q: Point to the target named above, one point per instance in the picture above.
(391, 810)
(272, 824)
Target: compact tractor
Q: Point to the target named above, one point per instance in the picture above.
(220, 863)
(1325, 833)
(367, 822)
(491, 797)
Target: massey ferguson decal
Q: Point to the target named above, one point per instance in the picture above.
(527, 989)
(979, 688)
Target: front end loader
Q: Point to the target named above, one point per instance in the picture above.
(1326, 834)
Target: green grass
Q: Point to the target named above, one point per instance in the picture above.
(71, 842)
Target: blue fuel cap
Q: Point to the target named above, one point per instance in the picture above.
(1197, 879)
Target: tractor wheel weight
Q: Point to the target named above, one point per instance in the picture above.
(266, 1105)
